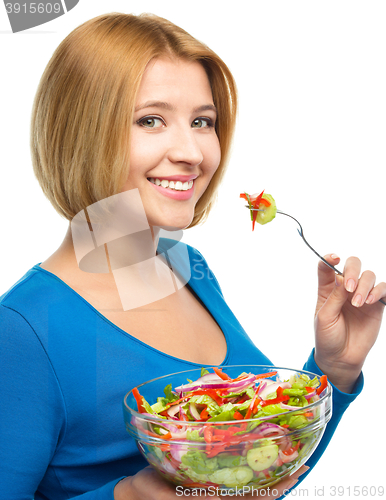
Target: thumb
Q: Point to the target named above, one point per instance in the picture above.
(333, 305)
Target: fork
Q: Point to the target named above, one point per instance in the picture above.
(305, 241)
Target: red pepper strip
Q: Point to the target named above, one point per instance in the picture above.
(249, 413)
(256, 204)
(154, 434)
(291, 450)
(237, 415)
(265, 375)
(138, 399)
(209, 392)
(208, 434)
(280, 398)
(220, 373)
(215, 450)
(265, 202)
(255, 405)
(204, 415)
(226, 433)
(176, 401)
(309, 389)
(266, 473)
(323, 384)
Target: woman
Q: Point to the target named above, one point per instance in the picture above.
(124, 101)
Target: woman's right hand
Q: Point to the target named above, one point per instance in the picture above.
(147, 484)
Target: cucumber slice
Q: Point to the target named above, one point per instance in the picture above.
(232, 476)
(263, 457)
(269, 213)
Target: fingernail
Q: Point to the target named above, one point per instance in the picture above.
(350, 285)
(370, 299)
(357, 300)
(338, 280)
(292, 484)
(334, 256)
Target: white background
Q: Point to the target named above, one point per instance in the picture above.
(311, 130)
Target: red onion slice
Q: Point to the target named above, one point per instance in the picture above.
(310, 395)
(194, 412)
(289, 407)
(268, 428)
(172, 411)
(270, 388)
(238, 386)
(288, 458)
(177, 450)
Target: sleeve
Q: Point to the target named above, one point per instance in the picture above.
(32, 415)
(340, 402)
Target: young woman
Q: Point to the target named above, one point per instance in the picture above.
(124, 101)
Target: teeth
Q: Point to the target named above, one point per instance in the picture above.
(178, 185)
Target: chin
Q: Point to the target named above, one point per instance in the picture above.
(172, 223)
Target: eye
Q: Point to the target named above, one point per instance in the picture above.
(202, 123)
(150, 122)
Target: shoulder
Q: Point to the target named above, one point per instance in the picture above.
(34, 288)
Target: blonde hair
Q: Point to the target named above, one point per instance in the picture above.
(83, 109)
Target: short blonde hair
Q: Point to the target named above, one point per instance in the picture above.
(83, 109)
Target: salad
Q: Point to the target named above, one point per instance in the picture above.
(264, 203)
(223, 431)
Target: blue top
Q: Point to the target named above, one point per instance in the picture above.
(65, 369)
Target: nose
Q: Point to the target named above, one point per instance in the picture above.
(184, 147)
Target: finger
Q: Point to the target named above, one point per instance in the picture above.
(332, 307)
(325, 273)
(351, 273)
(377, 293)
(364, 287)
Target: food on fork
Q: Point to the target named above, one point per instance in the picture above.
(262, 207)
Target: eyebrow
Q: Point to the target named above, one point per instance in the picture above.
(169, 107)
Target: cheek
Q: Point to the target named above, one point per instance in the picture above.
(144, 153)
(212, 155)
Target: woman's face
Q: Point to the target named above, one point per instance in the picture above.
(174, 147)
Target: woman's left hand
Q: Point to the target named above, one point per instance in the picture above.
(347, 320)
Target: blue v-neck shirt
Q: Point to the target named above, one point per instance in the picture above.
(64, 370)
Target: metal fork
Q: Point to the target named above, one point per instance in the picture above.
(306, 242)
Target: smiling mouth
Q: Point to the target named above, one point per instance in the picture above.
(173, 185)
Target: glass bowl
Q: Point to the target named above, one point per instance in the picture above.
(257, 452)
